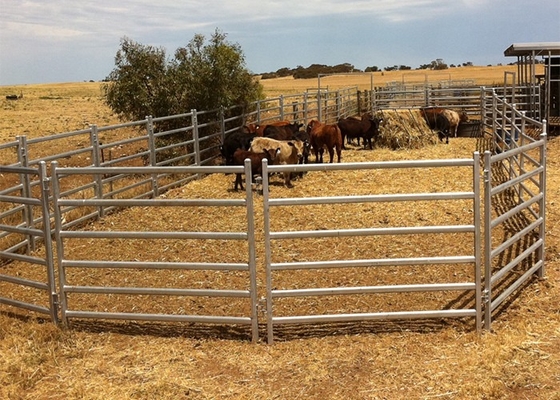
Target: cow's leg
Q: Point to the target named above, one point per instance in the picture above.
(331, 155)
(321, 151)
(288, 179)
(238, 181)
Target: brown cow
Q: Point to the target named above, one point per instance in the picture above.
(256, 162)
(324, 135)
(367, 128)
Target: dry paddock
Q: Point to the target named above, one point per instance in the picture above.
(374, 360)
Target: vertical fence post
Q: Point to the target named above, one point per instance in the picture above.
(152, 153)
(27, 213)
(222, 116)
(504, 122)
(494, 120)
(295, 113)
(281, 105)
(305, 106)
(63, 300)
(542, 203)
(252, 250)
(487, 296)
(319, 113)
(258, 111)
(359, 98)
(151, 141)
(95, 157)
(483, 106)
(326, 114)
(267, 253)
(194, 122)
(520, 135)
(47, 238)
(338, 104)
(477, 240)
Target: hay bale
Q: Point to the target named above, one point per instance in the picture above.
(404, 129)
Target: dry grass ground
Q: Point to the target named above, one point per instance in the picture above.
(519, 359)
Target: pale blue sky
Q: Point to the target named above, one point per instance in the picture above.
(44, 41)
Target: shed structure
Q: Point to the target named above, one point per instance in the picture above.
(528, 55)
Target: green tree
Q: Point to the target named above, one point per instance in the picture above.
(137, 85)
(203, 75)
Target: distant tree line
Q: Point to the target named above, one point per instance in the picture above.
(315, 69)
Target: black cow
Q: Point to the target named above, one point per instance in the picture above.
(436, 120)
(284, 132)
(233, 141)
(306, 139)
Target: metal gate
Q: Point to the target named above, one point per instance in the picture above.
(99, 291)
(28, 202)
(514, 231)
(292, 287)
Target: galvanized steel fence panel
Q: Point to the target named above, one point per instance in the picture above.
(515, 205)
(272, 237)
(34, 205)
(63, 236)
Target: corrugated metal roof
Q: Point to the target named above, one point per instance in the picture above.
(539, 48)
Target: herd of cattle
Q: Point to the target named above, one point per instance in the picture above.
(285, 142)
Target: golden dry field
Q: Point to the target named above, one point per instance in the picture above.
(492, 75)
(518, 359)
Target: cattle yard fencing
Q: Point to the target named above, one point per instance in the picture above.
(467, 99)
(67, 264)
(33, 207)
(48, 195)
(515, 204)
(472, 256)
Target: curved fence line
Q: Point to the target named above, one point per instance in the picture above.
(87, 183)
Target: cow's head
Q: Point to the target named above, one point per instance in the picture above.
(271, 154)
(299, 150)
(294, 127)
(312, 124)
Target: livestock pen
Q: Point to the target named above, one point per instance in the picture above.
(113, 216)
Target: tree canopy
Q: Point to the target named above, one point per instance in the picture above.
(203, 75)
